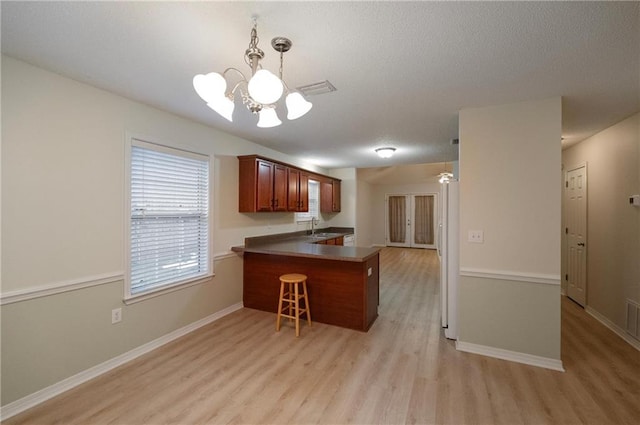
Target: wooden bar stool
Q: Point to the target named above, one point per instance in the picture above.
(292, 297)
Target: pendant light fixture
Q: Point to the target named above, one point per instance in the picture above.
(445, 176)
(259, 94)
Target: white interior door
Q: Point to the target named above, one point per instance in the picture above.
(411, 220)
(576, 231)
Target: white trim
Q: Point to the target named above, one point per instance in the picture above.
(153, 143)
(612, 326)
(51, 391)
(224, 255)
(132, 299)
(513, 356)
(548, 279)
(59, 287)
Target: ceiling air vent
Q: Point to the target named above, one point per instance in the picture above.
(316, 88)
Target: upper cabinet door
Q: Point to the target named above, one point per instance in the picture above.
(298, 193)
(303, 192)
(264, 185)
(330, 196)
(280, 180)
(336, 196)
(293, 201)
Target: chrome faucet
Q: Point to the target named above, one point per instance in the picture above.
(313, 223)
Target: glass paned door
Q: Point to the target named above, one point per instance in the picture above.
(411, 220)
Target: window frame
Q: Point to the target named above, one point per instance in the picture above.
(303, 217)
(171, 149)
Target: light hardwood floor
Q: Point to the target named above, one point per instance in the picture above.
(239, 370)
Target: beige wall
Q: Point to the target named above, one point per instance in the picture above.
(509, 172)
(63, 195)
(613, 226)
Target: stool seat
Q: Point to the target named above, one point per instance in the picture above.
(293, 278)
(291, 296)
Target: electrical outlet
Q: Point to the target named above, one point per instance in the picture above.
(476, 236)
(116, 315)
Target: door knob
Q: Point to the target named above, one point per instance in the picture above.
(581, 244)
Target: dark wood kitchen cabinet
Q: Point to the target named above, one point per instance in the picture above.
(263, 185)
(267, 185)
(330, 195)
(298, 193)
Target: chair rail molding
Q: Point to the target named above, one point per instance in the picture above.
(548, 279)
(59, 287)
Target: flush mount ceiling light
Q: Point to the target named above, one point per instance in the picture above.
(259, 93)
(386, 152)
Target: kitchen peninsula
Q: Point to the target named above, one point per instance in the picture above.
(343, 281)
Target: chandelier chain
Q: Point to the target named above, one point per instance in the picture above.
(253, 44)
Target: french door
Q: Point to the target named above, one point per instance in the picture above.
(411, 220)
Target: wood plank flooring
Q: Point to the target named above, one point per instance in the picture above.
(238, 370)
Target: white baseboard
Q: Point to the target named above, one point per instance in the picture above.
(51, 391)
(512, 356)
(615, 328)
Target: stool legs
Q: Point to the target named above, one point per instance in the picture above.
(289, 306)
(279, 306)
(306, 302)
(297, 306)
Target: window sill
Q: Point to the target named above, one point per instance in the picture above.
(132, 299)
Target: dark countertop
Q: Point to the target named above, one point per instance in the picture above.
(305, 246)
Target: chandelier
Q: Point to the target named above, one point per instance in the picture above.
(259, 93)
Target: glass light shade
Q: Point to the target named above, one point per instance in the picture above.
(297, 105)
(385, 152)
(264, 87)
(268, 118)
(445, 177)
(224, 106)
(210, 87)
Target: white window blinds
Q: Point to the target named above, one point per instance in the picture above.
(169, 222)
(314, 203)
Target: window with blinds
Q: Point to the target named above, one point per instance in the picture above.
(314, 203)
(169, 217)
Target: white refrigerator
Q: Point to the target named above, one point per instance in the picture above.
(448, 252)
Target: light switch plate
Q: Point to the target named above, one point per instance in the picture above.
(476, 236)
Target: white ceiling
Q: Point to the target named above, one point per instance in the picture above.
(403, 70)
